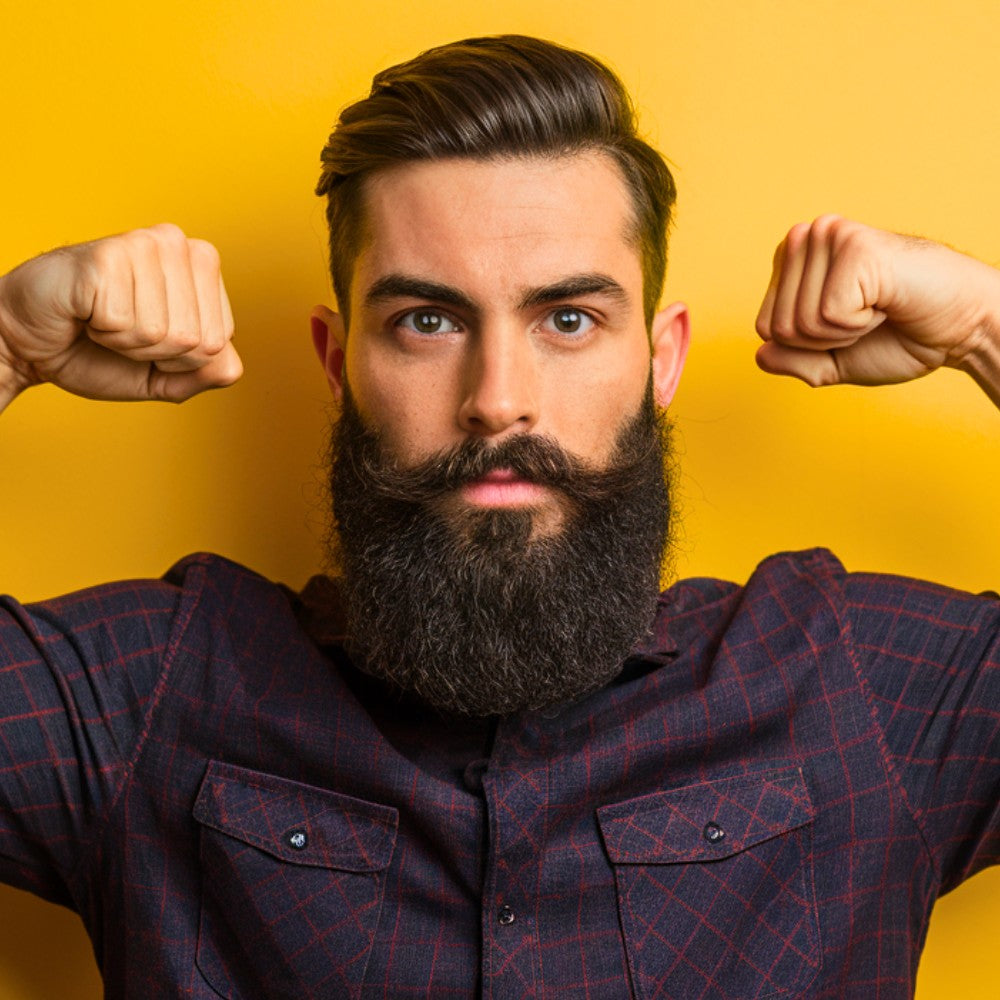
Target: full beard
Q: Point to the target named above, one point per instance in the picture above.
(476, 611)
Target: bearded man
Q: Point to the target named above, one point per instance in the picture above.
(489, 759)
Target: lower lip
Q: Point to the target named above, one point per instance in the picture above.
(503, 493)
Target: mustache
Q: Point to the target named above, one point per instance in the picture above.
(533, 457)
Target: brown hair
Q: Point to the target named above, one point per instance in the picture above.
(484, 98)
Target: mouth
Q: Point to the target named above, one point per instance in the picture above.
(503, 488)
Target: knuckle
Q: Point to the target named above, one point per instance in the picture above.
(850, 237)
(825, 222)
(139, 241)
(830, 311)
(203, 254)
(782, 330)
(113, 310)
(213, 345)
(217, 335)
(809, 325)
(185, 339)
(106, 255)
(798, 235)
(112, 317)
(151, 333)
(819, 233)
(167, 234)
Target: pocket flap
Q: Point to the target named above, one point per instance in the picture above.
(298, 823)
(705, 822)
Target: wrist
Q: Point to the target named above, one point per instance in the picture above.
(12, 379)
(982, 359)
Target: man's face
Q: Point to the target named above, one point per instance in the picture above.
(499, 459)
(497, 298)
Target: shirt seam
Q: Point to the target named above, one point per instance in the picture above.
(888, 760)
(189, 601)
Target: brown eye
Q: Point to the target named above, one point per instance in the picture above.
(570, 321)
(427, 321)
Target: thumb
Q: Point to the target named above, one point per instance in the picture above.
(878, 358)
(175, 387)
(814, 367)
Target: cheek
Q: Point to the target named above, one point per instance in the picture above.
(589, 404)
(408, 404)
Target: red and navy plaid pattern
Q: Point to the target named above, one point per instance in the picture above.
(766, 803)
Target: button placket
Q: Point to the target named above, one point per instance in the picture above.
(513, 788)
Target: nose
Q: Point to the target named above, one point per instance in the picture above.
(501, 384)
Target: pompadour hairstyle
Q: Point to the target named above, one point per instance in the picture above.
(492, 98)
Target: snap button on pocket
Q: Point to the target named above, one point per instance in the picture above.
(713, 833)
(297, 839)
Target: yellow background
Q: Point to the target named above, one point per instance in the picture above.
(212, 114)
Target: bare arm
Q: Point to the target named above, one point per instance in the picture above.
(142, 315)
(851, 304)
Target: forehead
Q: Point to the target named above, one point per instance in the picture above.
(490, 225)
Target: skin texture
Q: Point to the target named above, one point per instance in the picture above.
(537, 313)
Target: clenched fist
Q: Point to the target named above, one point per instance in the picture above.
(143, 315)
(849, 303)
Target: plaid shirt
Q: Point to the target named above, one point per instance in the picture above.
(765, 804)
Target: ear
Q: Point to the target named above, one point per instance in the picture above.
(669, 336)
(330, 341)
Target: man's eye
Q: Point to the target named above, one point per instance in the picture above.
(427, 321)
(570, 321)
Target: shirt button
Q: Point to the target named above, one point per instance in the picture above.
(505, 915)
(713, 833)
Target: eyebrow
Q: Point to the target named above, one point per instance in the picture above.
(404, 286)
(574, 286)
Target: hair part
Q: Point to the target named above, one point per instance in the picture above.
(491, 98)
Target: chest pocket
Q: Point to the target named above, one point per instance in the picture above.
(715, 888)
(292, 883)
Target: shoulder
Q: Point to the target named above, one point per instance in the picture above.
(811, 593)
(223, 604)
(127, 632)
(215, 581)
(786, 579)
(152, 605)
(790, 578)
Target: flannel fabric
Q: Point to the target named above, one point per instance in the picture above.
(766, 803)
